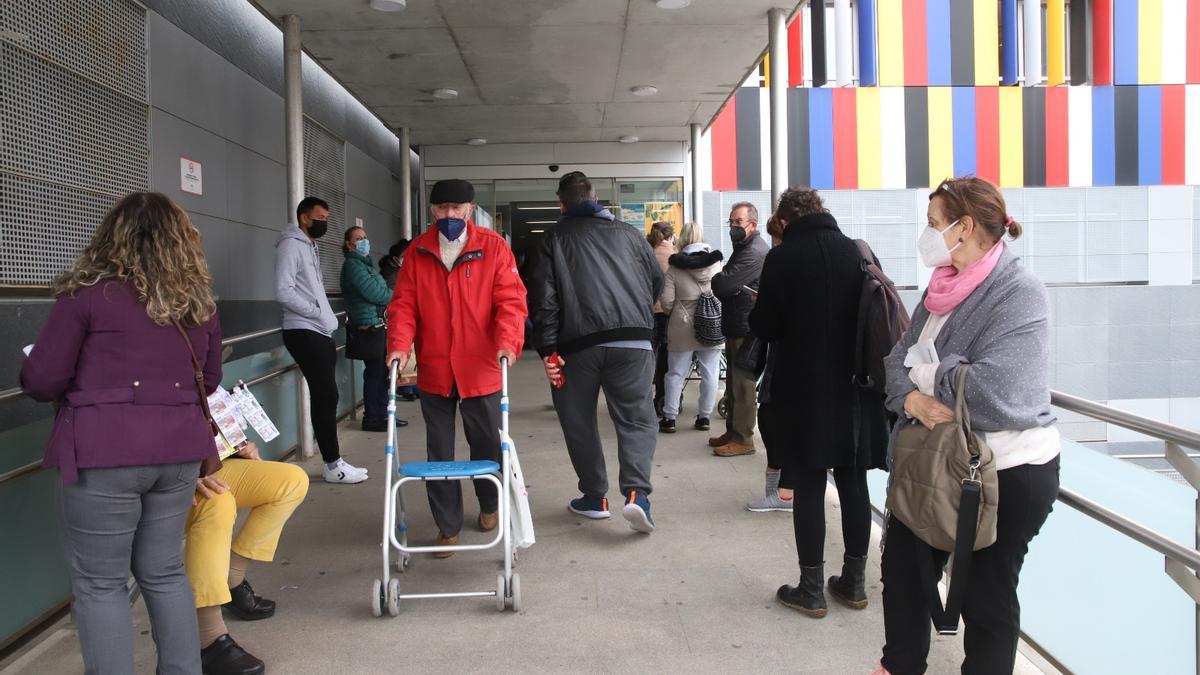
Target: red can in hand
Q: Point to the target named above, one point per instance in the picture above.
(560, 381)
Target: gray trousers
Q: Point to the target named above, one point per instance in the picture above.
(131, 519)
(481, 423)
(626, 376)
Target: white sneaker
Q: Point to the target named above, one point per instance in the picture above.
(344, 472)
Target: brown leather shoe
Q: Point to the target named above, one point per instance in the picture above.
(488, 521)
(443, 540)
(718, 441)
(735, 450)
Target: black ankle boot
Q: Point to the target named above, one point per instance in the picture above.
(850, 588)
(809, 596)
(247, 606)
(226, 657)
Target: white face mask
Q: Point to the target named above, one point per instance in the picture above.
(932, 247)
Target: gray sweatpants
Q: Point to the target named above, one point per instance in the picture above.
(131, 519)
(626, 376)
(481, 424)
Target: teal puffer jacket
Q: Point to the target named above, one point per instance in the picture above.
(364, 290)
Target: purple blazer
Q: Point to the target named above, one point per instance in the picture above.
(124, 384)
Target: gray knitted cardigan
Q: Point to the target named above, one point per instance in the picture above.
(1002, 330)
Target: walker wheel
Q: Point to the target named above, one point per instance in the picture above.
(403, 562)
(515, 600)
(500, 590)
(377, 598)
(393, 597)
(723, 407)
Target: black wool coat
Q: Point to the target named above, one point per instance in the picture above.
(808, 303)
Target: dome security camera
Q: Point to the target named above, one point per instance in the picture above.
(553, 168)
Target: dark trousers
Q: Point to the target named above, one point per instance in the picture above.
(316, 355)
(808, 511)
(991, 611)
(775, 442)
(741, 394)
(481, 423)
(660, 361)
(375, 390)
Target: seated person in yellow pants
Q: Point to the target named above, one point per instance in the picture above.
(216, 562)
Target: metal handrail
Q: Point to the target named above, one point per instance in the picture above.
(1140, 533)
(1128, 420)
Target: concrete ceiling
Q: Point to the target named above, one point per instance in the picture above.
(531, 71)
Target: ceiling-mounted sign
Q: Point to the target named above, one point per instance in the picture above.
(191, 176)
(358, 222)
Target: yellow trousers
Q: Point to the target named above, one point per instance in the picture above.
(271, 490)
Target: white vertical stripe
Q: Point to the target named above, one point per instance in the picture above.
(704, 180)
(806, 47)
(831, 71)
(1033, 43)
(764, 136)
(1079, 126)
(1174, 41)
(891, 121)
(1192, 133)
(843, 20)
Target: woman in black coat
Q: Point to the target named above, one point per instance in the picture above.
(808, 302)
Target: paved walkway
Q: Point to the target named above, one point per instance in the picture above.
(696, 596)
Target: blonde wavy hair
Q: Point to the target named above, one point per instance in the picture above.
(690, 234)
(148, 242)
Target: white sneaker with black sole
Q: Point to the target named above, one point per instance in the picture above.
(344, 472)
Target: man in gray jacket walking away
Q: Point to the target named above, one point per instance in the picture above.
(308, 325)
(594, 291)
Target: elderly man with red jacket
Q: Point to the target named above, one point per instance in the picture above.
(459, 299)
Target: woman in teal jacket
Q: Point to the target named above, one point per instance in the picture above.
(367, 296)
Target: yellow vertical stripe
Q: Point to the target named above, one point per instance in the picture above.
(1012, 138)
(1056, 56)
(766, 71)
(941, 134)
(890, 26)
(870, 146)
(1150, 41)
(987, 43)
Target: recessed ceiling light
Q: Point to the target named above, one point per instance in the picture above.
(644, 90)
(672, 4)
(629, 139)
(389, 5)
(476, 141)
(445, 94)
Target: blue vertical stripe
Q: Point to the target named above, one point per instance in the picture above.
(1008, 43)
(1150, 135)
(1104, 152)
(868, 73)
(1125, 41)
(963, 102)
(937, 41)
(820, 138)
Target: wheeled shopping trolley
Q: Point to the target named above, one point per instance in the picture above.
(385, 594)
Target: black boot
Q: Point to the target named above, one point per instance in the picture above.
(809, 596)
(850, 588)
(226, 657)
(247, 606)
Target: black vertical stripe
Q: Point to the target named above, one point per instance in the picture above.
(916, 136)
(1033, 101)
(818, 43)
(962, 42)
(749, 148)
(798, 166)
(1125, 128)
(1081, 42)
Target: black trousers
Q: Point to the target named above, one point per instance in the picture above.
(375, 390)
(481, 422)
(991, 611)
(660, 361)
(808, 511)
(316, 355)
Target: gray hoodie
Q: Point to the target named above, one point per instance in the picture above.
(299, 288)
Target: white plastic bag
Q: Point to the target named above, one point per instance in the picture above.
(520, 517)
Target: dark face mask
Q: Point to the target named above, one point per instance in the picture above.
(736, 234)
(452, 228)
(318, 228)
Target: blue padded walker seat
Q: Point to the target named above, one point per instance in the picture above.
(449, 469)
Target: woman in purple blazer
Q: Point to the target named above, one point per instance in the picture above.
(130, 433)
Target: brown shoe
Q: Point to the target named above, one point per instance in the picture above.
(443, 540)
(718, 441)
(488, 521)
(735, 450)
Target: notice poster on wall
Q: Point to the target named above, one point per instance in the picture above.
(633, 213)
(671, 212)
(191, 176)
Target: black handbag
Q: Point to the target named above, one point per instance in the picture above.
(366, 344)
(751, 357)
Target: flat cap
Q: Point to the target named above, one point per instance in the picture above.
(452, 191)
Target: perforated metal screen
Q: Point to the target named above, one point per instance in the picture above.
(325, 177)
(74, 112)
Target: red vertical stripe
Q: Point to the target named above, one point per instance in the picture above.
(1102, 64)
(916, 47)
(795, 54)
(1174, 130)
(1193, 41)
(724, 149)
(845, 139)
(1058, 157)
(987, 133)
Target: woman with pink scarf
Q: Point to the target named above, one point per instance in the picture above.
(985, 309)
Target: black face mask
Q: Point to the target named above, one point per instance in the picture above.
(318, 228)
(736, 234)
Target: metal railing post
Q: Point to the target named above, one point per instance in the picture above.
(304, 418)
(353, 392)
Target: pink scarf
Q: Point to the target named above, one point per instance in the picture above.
(948, 287)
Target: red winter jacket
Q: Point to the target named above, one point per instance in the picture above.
(458, 319)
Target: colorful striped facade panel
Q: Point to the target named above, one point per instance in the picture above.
(1079, 141)
(1191, 133)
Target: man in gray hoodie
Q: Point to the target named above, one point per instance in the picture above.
(308, 325)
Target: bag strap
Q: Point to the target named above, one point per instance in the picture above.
(198, 376)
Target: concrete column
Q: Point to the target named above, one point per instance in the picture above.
(842, 19)
(777, 23)
(695, 198)
(422, 197)
(405, 183)
(1033, 43)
